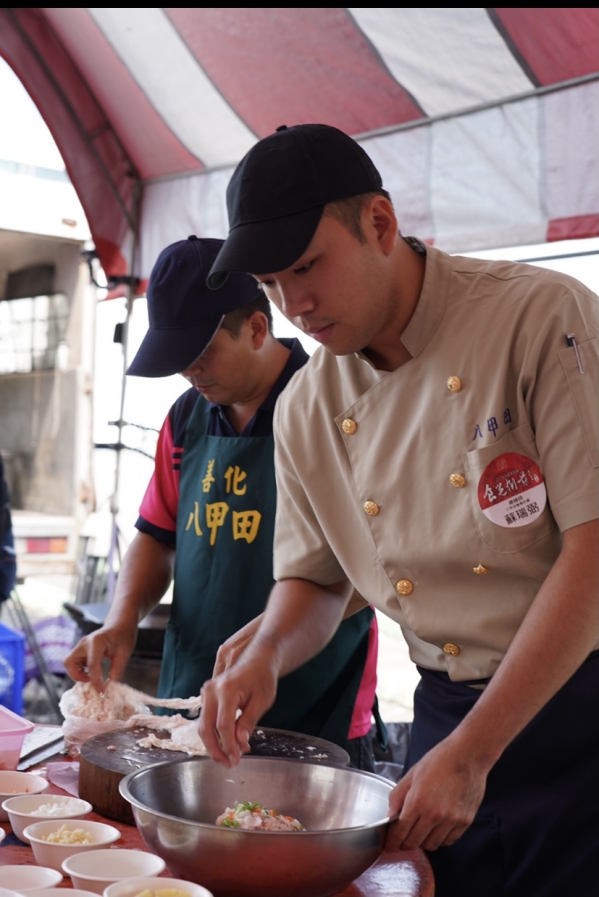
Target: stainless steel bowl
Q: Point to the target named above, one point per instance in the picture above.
(345, 812)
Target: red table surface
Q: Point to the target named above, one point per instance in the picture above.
(403, 874)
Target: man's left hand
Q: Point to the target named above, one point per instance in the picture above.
(437, 799)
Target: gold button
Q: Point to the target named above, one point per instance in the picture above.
(349, 426)
(454, 384)
(450, 648)
(457, 480)
(405, 587)
(480, 570)
(371, 508)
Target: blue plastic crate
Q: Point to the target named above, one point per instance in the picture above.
(12, 669)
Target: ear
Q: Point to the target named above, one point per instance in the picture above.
(378, 220)
(258, 327)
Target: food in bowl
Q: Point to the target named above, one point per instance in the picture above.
(345, 812)
(66, 835)
(53, 853)
(254, 817)
(64, 806)
(23, 810)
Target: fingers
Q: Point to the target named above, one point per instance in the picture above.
(84, 663)
(436, 801)
(217, 726)
(75, 663)
(427, 832)
(119, 663)
(232, 704)
(96, 651)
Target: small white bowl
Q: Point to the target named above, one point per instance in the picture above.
(13, 783)
(47, 853)
(94, 870)
(21, 810)
(6, 892)
(130, 887)
(30, 879)
(58, 892)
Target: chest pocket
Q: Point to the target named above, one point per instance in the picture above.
(511, 534)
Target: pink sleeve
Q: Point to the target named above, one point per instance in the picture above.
(160, 503)
(361, 720)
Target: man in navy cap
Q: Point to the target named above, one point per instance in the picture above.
(208, 513)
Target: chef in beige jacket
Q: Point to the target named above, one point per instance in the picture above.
(439, 455)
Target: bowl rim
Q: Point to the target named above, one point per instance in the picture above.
(34, 838)
(125, 793)
(31, 775)
(35, 868)
(66, 891)
(80, 874)
(168, 883)
(47, 799)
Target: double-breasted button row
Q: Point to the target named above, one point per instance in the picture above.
(454, 384)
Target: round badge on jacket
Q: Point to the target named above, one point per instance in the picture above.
(511, 490)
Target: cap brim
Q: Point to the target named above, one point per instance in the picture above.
(166, 352)
(264, 247)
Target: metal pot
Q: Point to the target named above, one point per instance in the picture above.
(345, 812)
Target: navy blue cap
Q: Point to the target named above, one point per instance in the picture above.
(184, 315)
(278, 192)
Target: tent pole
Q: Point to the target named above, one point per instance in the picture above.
(114, 501)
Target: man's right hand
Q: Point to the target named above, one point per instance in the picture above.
(144, 577)
(249, 687)
(84, 663)
(300, 619)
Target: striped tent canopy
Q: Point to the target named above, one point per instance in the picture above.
(484, 122)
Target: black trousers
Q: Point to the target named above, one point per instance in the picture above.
(537, 831)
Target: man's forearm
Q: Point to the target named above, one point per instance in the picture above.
(144, 577)
(301, 618)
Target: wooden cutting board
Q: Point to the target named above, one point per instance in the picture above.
(109, 757)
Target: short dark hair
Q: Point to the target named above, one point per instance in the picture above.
(348, 212)
(234, 320)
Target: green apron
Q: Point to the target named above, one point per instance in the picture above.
(223, 576)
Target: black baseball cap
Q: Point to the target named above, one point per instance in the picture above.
(183, 314)
(278, 191)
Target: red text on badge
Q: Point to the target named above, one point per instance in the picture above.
(511, 490)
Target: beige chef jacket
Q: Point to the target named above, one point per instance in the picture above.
(440, 490)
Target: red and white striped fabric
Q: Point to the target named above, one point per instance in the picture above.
(484, 121)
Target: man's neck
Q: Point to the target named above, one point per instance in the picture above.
(388, 352)
(272, 359)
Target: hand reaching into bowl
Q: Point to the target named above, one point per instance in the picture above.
(299, 620)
